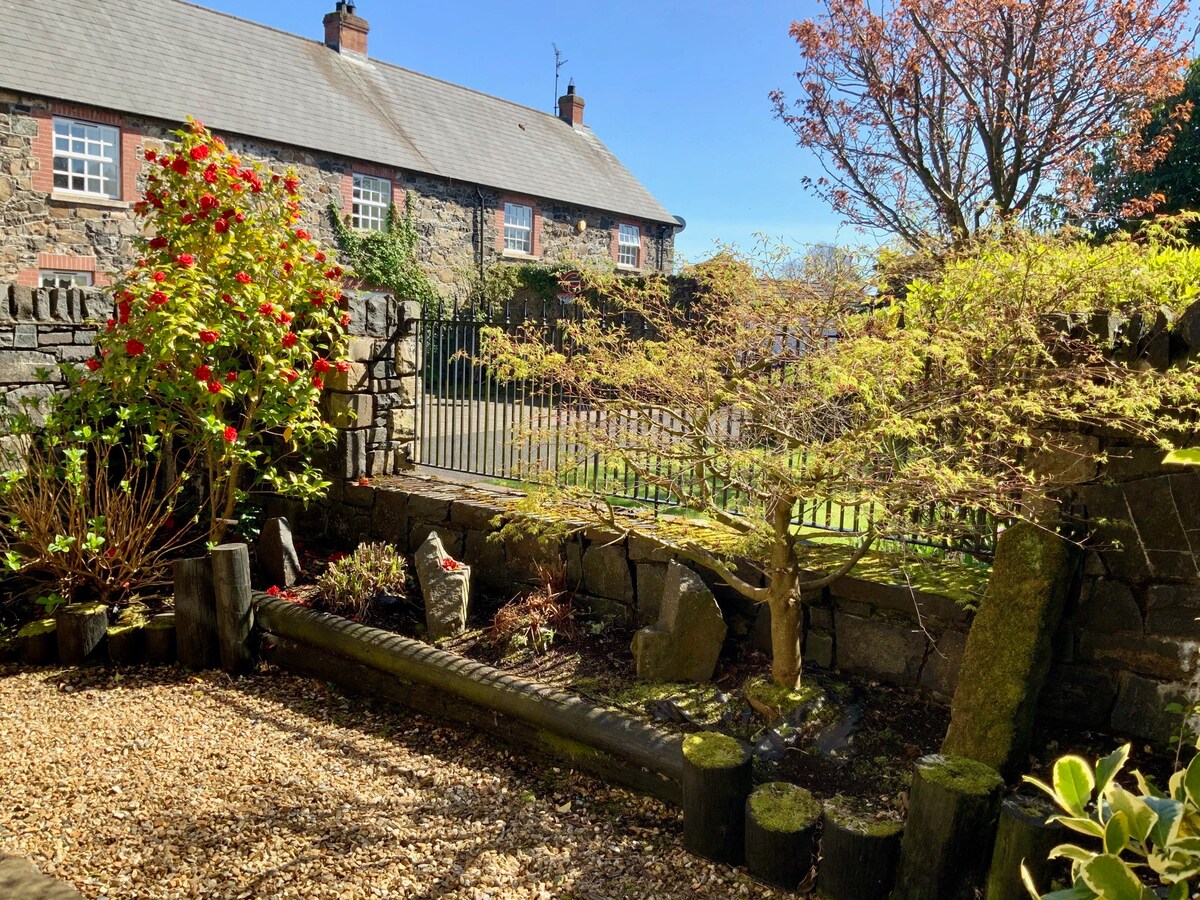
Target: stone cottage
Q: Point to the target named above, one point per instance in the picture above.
(490, 181)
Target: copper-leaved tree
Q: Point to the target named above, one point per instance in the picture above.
(933, 119)
(763, 393)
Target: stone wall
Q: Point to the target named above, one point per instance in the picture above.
(44, 229)
(1122, 655)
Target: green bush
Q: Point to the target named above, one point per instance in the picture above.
(352, 584)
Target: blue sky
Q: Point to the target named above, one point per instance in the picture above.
(678, 90)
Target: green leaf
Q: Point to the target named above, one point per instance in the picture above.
(1186, 457)
(1109, 766)
(1116, 834)
(1073, 783)
(1140, 817)
(1090, 827)
(1179, 892)
(1071, 852)
(1111, 878)
(1169, 812)
(1191, 781)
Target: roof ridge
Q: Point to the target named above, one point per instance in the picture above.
(370, 59)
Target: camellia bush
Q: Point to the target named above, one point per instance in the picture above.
(226, 329)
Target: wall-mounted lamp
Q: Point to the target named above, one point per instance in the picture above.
(581, 226)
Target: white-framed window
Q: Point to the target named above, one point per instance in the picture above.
(86, 158)
(629, 246)
(52, 279)
(371, 198)
(518, 228)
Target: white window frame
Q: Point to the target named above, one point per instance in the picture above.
(518, 228)
(629, 246)
(57, 278)
(371, 196)
(87, 158)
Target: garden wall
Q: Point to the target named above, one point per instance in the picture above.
(1126, 648)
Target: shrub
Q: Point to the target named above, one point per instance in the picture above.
(534, 621)
(352, 584)
(94, 517)
(224, 330)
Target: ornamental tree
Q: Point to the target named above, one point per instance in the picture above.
(960, 391)
(933, 119)
(226, 329)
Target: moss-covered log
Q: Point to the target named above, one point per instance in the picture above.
(81, 631)
(781, 833)
(442, 705)
(717, 780)
(858, 856)
(541, 707)
(127, 643)
(1024, 836)
(951, 825)
(160, 640)
(1008, 649)
(195, 614)
(37, 643)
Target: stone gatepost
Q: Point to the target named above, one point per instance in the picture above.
(373, 404)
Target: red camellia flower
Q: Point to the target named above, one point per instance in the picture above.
(208, 336)
(110, 324)
(160, 277)
(284, 318)
(221, 226)
(273, 591)
(208, 201)
(214, 387)
(320, 257)
(303, 235)
(227, 298)
(291, 184)
(266, 309)
(92, 363)
(134, 347)
(203, 373)
(230, 434)
(239, 218)
(199, 152)
(319, 384)
(188, 218)
(291, 375)
(210, 174)
(230, 377)
(331, 273)
(345, 320)
(342, 366)
(243, 277)
(180, 165)
(289, 340)
(158, 297)
(185, 260)
(158, 243)
(451, 565)
(151, 156)
(123, 311)
(320, 364)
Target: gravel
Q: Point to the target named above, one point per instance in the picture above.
(155, 783)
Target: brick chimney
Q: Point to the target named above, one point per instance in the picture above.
(344, 31)
(570, 107)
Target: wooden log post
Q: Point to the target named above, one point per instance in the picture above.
(716, 784)
(196, 614)
(1024, 836)
(37, 643)
(81, 631)
(235, 613)
(858, 856)
(127, 643)
(953, 807)
(781, 834)
(160, 640)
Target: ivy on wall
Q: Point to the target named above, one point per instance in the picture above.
(387, 258)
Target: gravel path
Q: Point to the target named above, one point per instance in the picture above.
(155, 783)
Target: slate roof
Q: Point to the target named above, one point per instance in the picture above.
(167, 59)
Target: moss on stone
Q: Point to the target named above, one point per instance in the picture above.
(568, 748)
(125, 627)
(959, 774)
(40, 626)
(159, 623)
(711, 750)
(84, 609)
(697, 700)
(782, 807)
(763, 693)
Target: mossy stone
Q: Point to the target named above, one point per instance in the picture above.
(711, 750)
(1008, 652)
(782, 807)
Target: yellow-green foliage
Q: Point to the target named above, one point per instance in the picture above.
(710, 750)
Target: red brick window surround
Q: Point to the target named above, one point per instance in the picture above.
(64, 265)
(83, 152)
(360, 190)
(518, 227)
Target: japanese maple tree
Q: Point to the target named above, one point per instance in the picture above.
(935, 118)
(226, 328)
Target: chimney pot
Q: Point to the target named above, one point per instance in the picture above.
(345, 31)
(570, 107)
